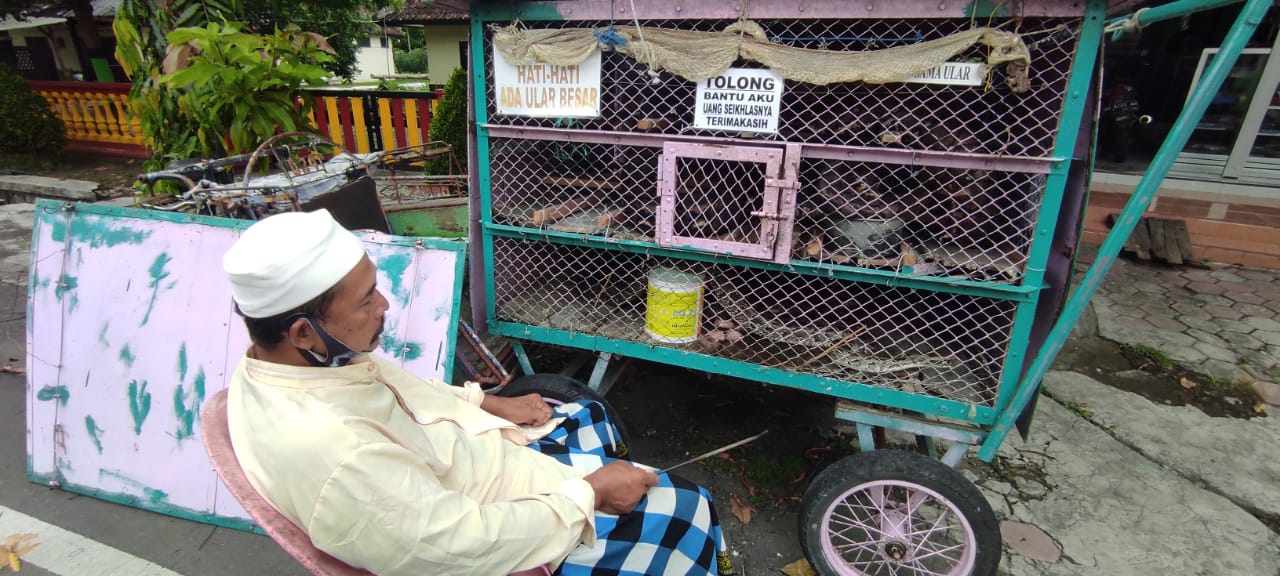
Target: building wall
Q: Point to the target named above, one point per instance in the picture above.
(375, 59)
(1227, 228)
(443, 54)
(64, 50)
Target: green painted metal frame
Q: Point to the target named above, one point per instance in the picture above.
(1074, 101)
(858, 392)
(1250, 17)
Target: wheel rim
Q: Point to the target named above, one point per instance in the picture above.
(896, 528)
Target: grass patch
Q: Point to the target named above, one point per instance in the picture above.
(1080, 410)
(27, 163)
(1156, 356)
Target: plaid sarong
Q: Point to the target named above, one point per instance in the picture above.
(673, 530)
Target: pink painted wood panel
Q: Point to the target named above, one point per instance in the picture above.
(132, 326)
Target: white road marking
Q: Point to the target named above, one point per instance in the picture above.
(69, 554)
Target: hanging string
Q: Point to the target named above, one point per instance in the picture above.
(653, 74)
(609, 39)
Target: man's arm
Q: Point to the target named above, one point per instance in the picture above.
(529, 409)
(384, 510)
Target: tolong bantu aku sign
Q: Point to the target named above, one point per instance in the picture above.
(739, 100)
(547, 91)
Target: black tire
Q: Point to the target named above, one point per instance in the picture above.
(900, 472)
(559, 389)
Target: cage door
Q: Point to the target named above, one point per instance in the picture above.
(728, 199)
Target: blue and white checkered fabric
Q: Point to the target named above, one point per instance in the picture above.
(673, 530)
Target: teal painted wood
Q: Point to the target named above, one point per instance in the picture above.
(50, 206)
(459, 288)
(485, 174)
(505, 12)
(855, 391)
(135, 502)
(864, 275)
(1201, 95)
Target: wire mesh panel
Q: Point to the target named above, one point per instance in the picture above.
(964, 223)
(946, 345)
(594, 189)
(974, 224)
(986, 119)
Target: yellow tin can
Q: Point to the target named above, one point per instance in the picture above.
(673, 309)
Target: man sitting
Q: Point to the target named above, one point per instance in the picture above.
(400, 475)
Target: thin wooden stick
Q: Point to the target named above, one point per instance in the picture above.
(839, 343)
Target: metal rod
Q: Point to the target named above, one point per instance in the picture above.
(522, 357)
(1172, 10)
(714, 452)
(900, 157)
(486, 355)
(1250, 17)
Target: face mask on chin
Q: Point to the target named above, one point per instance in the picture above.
(339, 353)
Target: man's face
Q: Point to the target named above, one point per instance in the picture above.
(355, 315)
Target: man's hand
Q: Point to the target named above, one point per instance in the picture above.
(529, 409)
(619, 486)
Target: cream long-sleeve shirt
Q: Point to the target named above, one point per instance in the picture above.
(401, 475)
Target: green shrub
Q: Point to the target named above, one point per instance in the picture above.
(240, 88)
(450, 122)
(411, 62)
(27, 123)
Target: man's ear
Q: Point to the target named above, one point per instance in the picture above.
(302, 336)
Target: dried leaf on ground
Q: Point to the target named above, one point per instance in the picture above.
(8, 369)
(800, 567)
(740, 511)
(1260, 408)
(14, 546)
(1188, 383)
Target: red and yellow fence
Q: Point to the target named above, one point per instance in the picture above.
(366, 121)
(96, 117)
(97, 120)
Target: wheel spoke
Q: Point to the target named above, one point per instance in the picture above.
(852, 523)
(920, 569)
(941, 553)
(877, 495)
(914, 500)
(925, 537)
(852, 542)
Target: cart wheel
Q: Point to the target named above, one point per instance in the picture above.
(557, 389)
(897, 512)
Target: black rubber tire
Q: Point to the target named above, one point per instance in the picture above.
(559, 389)
(902, 466)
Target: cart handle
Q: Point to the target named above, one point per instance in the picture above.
(1250, 17)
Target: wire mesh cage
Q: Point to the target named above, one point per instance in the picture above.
(923, 220)
(947, 345)
(888, 235)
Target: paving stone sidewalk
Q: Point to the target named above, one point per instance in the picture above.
(1222, 321)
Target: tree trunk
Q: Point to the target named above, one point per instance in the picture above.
(86, 27)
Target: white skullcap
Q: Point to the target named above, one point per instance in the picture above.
(287, 260)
